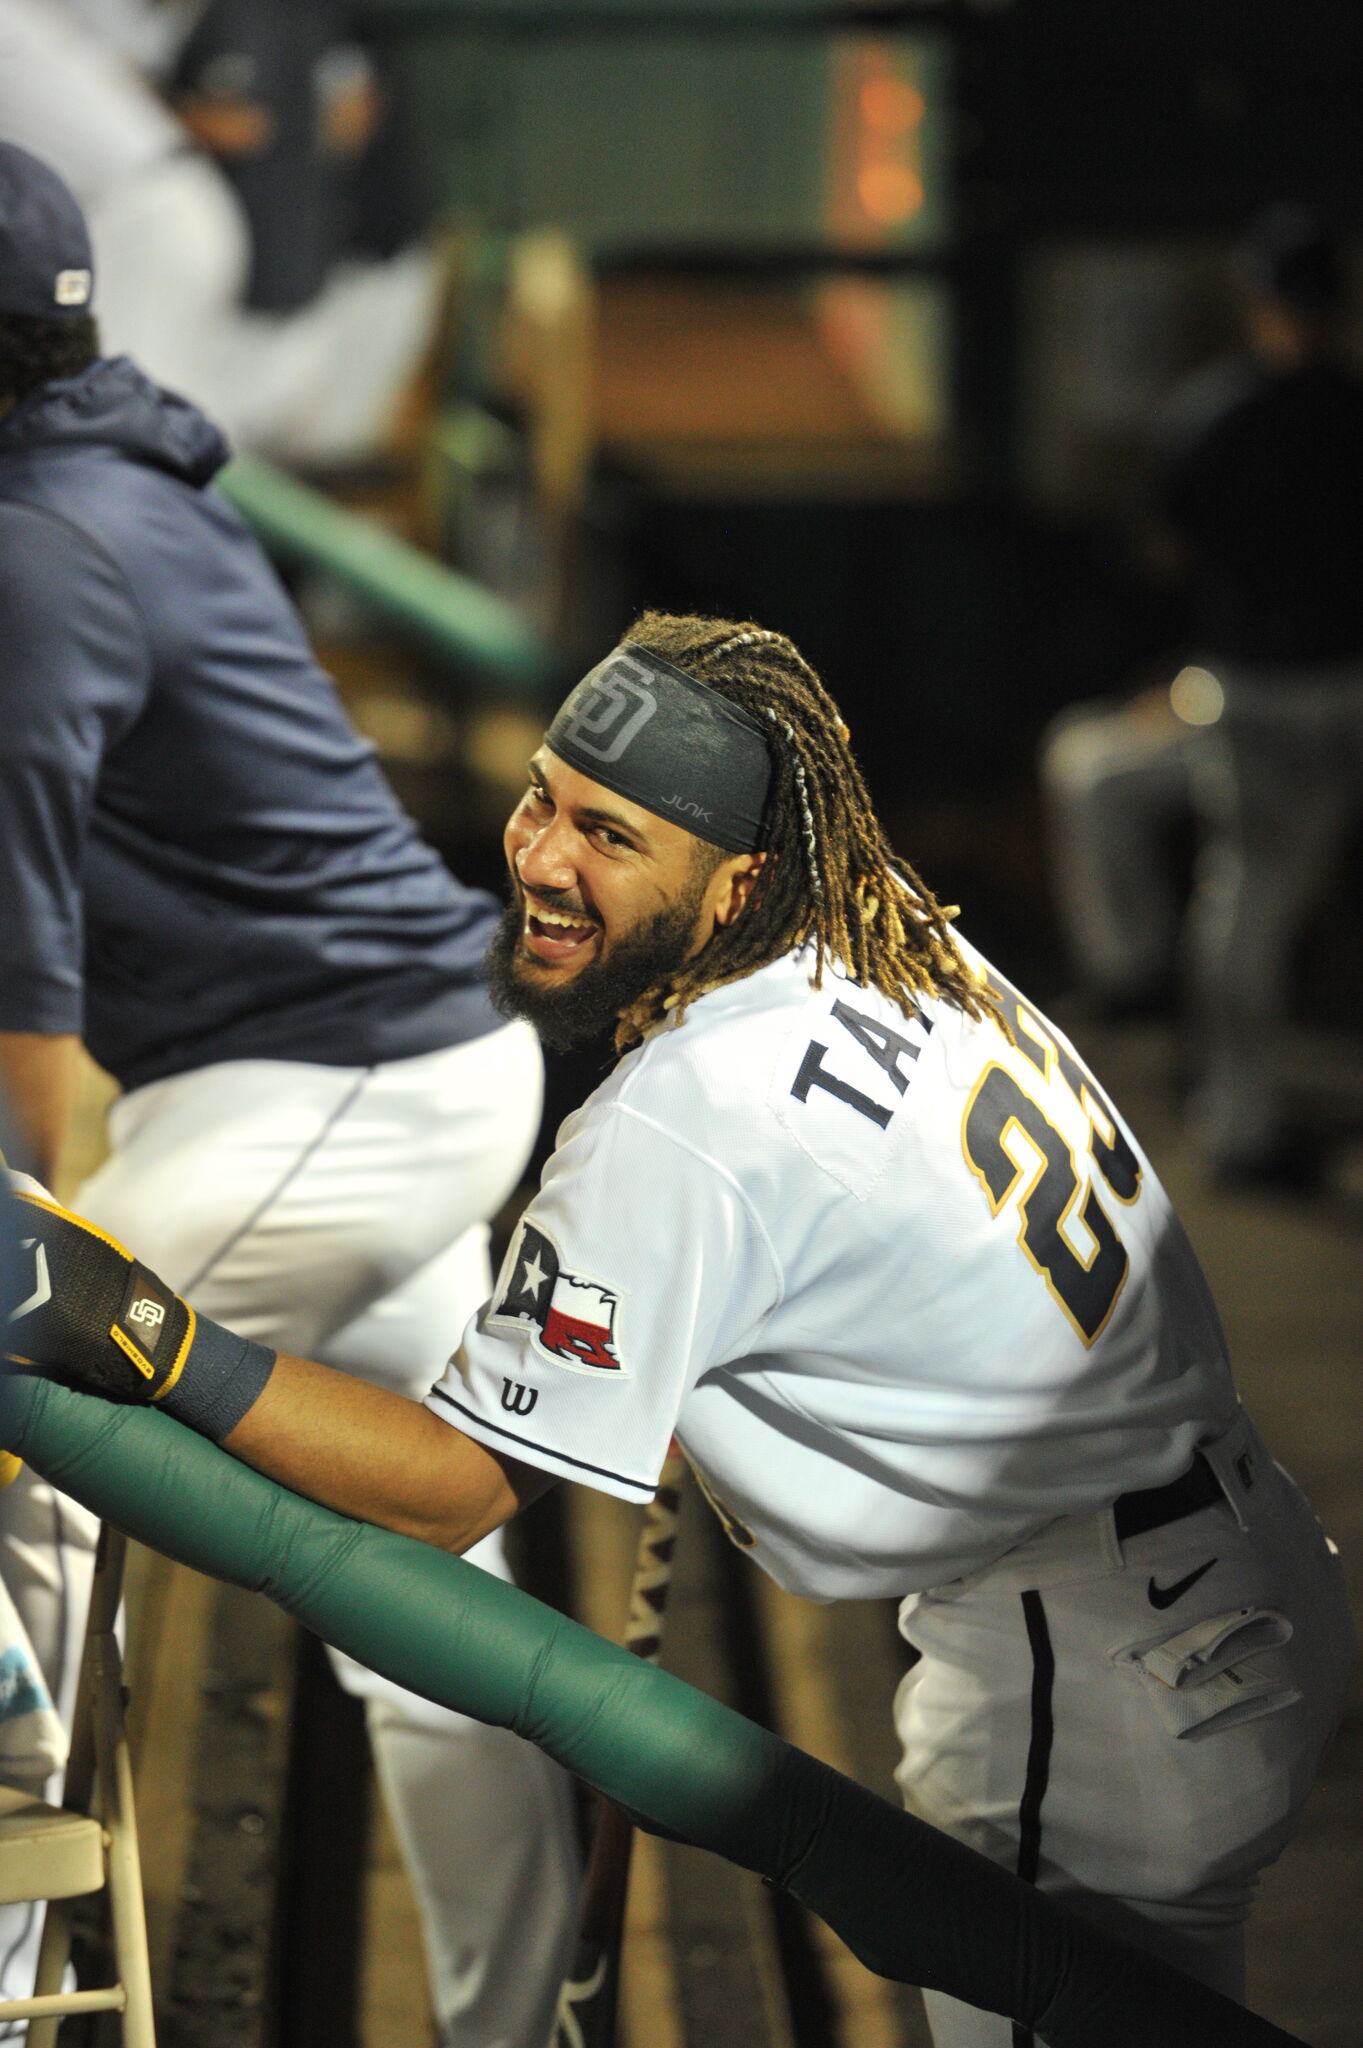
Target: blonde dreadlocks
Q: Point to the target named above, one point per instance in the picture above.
(830, 873)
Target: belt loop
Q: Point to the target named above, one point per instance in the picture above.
(1109, 1538)
(1238, 1462)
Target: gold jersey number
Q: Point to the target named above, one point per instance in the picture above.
(1012, 1147)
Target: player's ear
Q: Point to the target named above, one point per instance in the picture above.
(736, 879)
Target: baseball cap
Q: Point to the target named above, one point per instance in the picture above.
(46, 269)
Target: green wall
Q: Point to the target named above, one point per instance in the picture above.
(634, 139)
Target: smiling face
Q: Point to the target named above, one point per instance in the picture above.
(607, 901)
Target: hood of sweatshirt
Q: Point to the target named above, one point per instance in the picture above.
(111, 404)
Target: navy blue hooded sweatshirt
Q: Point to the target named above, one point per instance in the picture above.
(200, 860)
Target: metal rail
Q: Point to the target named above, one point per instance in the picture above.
(454, 616)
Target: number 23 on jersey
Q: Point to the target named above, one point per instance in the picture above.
(1015, 1151)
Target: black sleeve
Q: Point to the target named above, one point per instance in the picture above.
(74, 675)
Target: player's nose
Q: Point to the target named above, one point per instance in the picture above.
(545, 861)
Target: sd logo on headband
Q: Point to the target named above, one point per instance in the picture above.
(615, 702)
(665, 740)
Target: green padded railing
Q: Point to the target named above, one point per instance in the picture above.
(913, 1904)
(449, 612)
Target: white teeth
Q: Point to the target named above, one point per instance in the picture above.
(554, 917)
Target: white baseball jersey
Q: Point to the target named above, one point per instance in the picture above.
(905, 1290)
(76, 103)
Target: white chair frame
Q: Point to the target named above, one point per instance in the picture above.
(99, 1792)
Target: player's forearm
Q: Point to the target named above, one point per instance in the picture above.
(38, 1079)
(374, 1455)
(95, 1317)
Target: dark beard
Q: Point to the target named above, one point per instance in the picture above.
(587, 1006)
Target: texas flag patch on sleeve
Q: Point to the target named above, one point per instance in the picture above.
(571, 1317)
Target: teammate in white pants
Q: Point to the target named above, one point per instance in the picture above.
(1264, 496)
(205, 875)
(342, 1215)
(854, 1221)
(1261, 507)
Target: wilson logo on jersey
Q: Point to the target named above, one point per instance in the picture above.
(573, 1318)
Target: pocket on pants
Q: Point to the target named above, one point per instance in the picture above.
(1218, 1673)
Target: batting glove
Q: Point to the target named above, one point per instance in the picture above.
(91, 1314)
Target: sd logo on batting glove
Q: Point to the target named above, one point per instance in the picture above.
(89, 1313)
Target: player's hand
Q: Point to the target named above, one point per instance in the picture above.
(88, 1312)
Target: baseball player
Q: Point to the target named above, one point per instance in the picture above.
(1262, 503)
(205, 875)
(1259, 508)
(852, 1219)
(321, 384)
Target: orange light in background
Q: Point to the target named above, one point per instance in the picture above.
(891, 105)
(876, 157)
(889, 192)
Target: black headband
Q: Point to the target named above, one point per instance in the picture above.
(654, 734)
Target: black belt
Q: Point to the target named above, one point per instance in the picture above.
(1134, 1513)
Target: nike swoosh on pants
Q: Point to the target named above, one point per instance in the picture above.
(1165, 1596)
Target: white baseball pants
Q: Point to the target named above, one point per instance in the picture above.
(1133, 1726)
(1117, 779)
(1279, 782)
(339, 1213)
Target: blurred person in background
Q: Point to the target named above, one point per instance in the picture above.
(1259, 741)
(205, 876)
(292, 352)
(1117, 779)
(1263, 503)
(289, 103)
